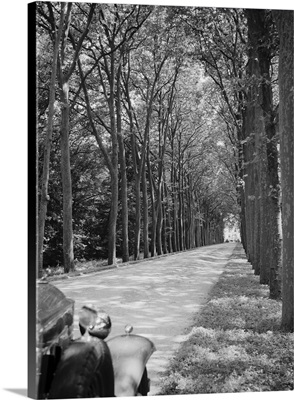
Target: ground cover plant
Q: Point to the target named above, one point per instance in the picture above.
(235, 344)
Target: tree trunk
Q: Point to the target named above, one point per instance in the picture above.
(240, 181)
(47, 149)
(252, 171)
(164, 222)
(285, 25)
(173, 199)
(159, 219)
(180, 220)
(114, 162)
(137, 231)
(123, 172)
(136, 168)
(64, 75)
(259, 40)
(139, 161)
(153, 208)
(113, 218)
(180, 197)
(273, 272)
(145, 212)
(68, 254)
(168, 220)
(266, 231)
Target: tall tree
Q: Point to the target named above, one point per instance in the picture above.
(143, 70)
(65, 71)
(260, 129)
(123, 168)
(117, 24)
(285, 25)
(164, 113)
(139, 128)
(47, 148)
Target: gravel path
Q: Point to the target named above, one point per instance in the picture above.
(158, 297)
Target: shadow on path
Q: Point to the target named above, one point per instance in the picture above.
(159, 298)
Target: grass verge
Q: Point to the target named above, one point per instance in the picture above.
(235, 344)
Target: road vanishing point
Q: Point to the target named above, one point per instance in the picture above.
(158, 297)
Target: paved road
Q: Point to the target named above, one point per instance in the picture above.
(157, 297)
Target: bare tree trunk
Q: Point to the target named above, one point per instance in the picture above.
(175, 241)
(255, 133)
(113, 217)
(180, 218)
(249, 192)
(266, 231)
(153, 208)
(168, 220)
(197, 228)
(68, 254)
(114, 162)
(163, 233)
(285, 25)
(47, 149)
(145, 212)
(123, 169)
(136, 169)
(192, 216)
(137, 231)
(180, 199)
(267, 150)
(159, 217)
(272, 194)
(173, 199)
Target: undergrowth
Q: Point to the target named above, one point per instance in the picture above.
(235, 344)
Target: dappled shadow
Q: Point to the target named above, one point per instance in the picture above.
(222, 361)
(159, 297)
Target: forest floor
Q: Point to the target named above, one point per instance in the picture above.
(235, 343)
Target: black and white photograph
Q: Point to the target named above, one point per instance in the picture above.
(160, 218)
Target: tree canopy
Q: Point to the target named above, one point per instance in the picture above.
(156, 127)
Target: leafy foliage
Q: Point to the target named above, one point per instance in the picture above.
(183, 128)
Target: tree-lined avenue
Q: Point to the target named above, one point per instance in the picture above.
(158, 128)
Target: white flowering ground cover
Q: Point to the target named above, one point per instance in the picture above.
(235, 344)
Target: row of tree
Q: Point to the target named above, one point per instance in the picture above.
(148, 131)
(156, 124)
(249, 56)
